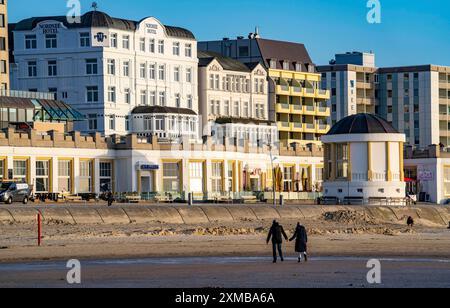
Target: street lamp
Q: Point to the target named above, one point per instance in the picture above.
(272, 160)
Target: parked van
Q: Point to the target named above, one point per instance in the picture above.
(15, 192)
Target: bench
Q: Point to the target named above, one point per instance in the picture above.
(249, 199)
(223, 199)
(133, 199)
(354, 200)
(164, 199)
(329, 201)
(73, 198)
(378, 200)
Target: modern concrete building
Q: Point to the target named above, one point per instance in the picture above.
(364, 161)
(105, 67)
(414, 98)
(4, 49)
(233, 100)
(296, 101)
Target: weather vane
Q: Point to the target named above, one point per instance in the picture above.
(94, 6)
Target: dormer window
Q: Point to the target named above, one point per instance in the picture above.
(273, 64)
(298, 67)
(286, 65)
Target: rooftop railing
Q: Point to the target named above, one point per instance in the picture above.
(27, 94)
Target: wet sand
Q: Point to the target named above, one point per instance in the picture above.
(231, 273)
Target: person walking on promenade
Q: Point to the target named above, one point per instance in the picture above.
(301, 243)
(277, 233)
(110, 199)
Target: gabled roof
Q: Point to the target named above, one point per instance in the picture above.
(228, 64)
(284, 51)
(100, 20)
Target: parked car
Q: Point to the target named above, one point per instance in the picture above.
(15, 192)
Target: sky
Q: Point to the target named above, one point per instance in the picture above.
(411, 32)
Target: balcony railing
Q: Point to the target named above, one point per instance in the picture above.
(310, 108)
(296, 89)
(296, 108)
(297, 125)
(27, 94)
(310, 126)
(310, 91)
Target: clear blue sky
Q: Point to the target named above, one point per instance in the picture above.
(412, 31)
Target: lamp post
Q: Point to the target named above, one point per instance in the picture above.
(272, 159)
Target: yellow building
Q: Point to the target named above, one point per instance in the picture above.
(4, 51)
(300, 105)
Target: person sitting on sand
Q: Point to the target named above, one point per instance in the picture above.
(301, 243)
(277, 233)
(410, 222)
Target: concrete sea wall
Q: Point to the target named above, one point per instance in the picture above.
(201, 215)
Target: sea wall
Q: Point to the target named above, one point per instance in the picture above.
(201, 215)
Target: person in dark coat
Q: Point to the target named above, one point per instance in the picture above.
(110, 199)
(301, 243)
(277, 233)
(410, 222)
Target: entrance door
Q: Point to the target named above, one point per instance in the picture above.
(147, 182)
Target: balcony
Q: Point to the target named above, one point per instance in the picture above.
(296, 91)
(309, 128)
(323, 112)
(296, 109)
(362, 84)
(297, 127)
(365, 101)
(309, 92)
(283, 90)
(323, 94)
(282, 108)
(309, 110)
(323, 128)
(284, 127)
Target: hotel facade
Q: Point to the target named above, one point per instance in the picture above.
(106, 67)
(415, 99)
(233, 100)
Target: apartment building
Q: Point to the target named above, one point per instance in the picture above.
(413, 98)
(106, 67)
(4, 50)
(297, 103)
(233, 100)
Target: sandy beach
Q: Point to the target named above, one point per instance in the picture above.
(340, 242)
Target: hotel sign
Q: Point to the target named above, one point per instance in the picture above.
(50, 28)
(147, 166)
(151, 28)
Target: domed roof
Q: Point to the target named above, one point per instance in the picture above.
(362, 123)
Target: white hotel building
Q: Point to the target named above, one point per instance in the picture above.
(106, 67)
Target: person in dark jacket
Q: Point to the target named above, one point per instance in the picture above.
(277, 233)
(410, 222)
(301, 243)
(110, 199)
